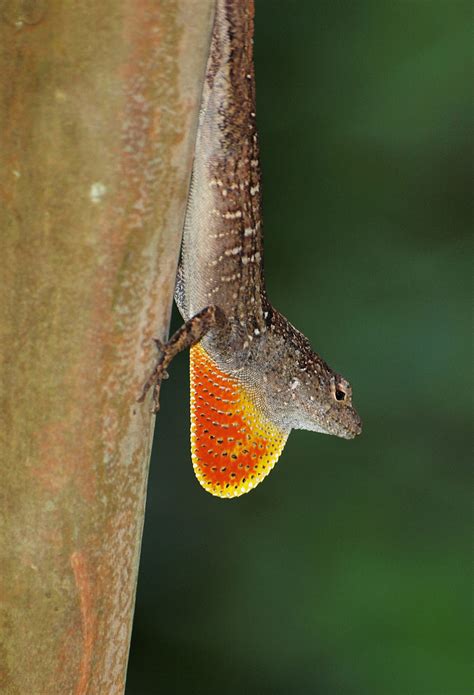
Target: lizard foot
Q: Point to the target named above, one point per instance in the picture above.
(188, 335)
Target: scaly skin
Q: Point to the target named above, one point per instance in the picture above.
(254, 377)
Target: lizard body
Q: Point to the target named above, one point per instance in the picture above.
(254, 377)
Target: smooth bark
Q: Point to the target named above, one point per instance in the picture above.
(98, 113)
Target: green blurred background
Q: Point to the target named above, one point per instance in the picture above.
(347, 572)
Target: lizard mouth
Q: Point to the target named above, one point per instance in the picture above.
(346, 424)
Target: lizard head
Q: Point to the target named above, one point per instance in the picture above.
(303, 392)
(321, 401)
(336, 414)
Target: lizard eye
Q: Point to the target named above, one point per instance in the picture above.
(340, 389)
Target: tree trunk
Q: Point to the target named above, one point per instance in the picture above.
(98, 113)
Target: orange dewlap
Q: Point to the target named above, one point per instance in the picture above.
(233, 445)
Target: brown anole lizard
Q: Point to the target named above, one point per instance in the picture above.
(254, 377)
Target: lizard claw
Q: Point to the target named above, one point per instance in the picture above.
(159, 344)
(156, 401)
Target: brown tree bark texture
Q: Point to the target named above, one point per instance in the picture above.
(98, 114)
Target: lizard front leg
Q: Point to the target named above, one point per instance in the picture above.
(185, 337)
